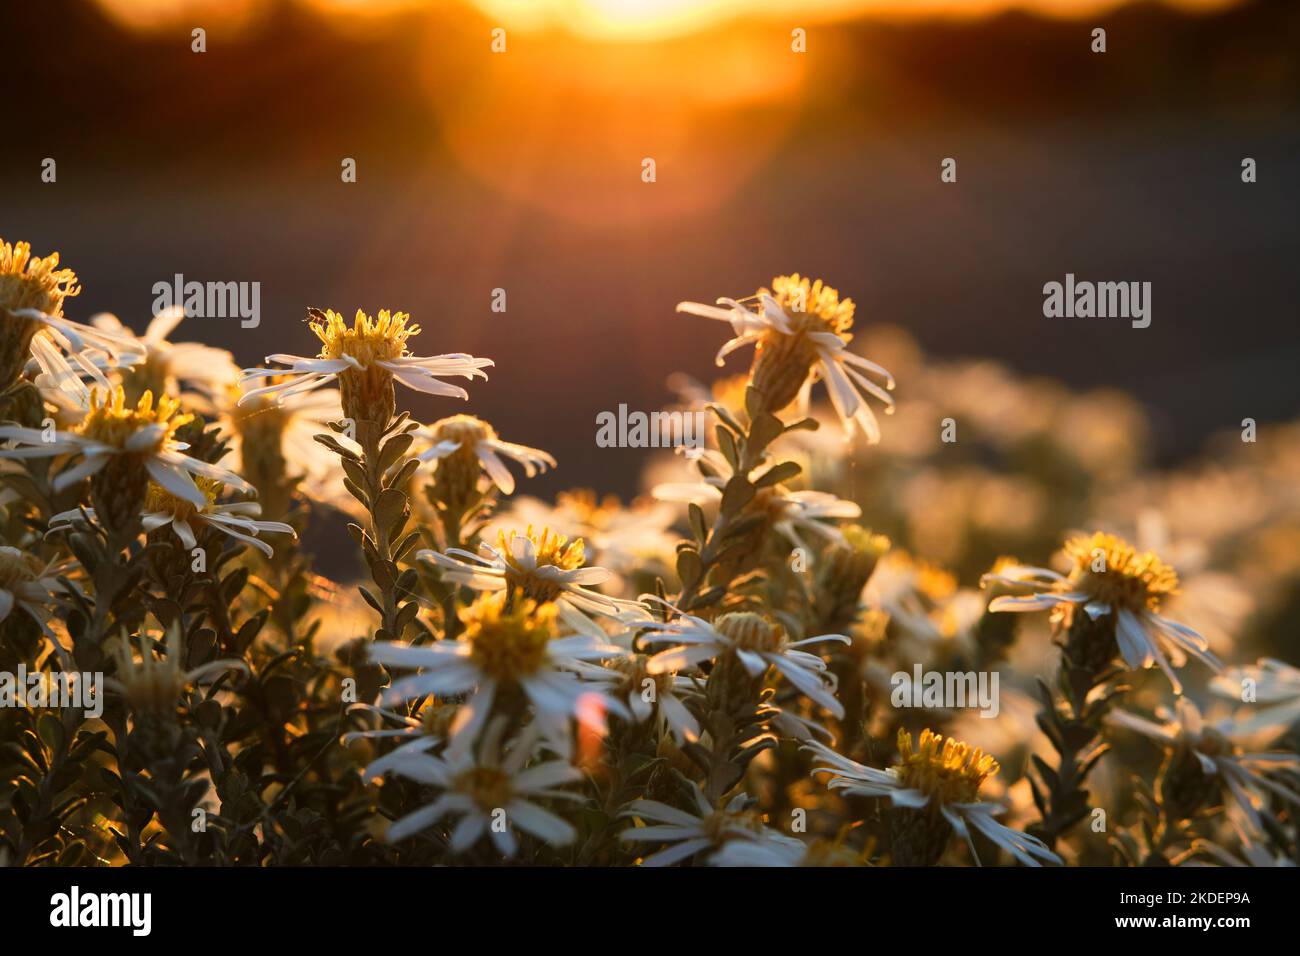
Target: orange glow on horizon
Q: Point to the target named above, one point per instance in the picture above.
(636, 20)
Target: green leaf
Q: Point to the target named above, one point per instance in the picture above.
(777, 474)
(689, 565)
(393, 450)
(698, 527)
(405, 615)
(391, 506)
(804, 424)
(765, 430)
(330, 442)
(249, 630)
(738, 493)
(742, 525)
(52, 733)
(404, 474)
(355, 491)
(356, 472)
(405, 545)
(725, 417)
(727, 445)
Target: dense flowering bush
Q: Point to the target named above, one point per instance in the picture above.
(733, 670)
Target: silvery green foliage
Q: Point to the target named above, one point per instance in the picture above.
(592, 694)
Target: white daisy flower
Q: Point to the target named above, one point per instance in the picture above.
(174, 368)
(795, 726)
(350, 355)
(793, 514)
(1275, 687)
(429, 729)
(801, 328)
(463, 439)
(506, 648)
(625, 539)
(111, 430)
(1254, 851)
(648, 695)
(710, 828)
(780, 850)
(756, 643)
(273, 438)
(942, 775)
(59, 384)
(32, 291)
(154, 684)
(1248, 777)
(545, 567)
(777, 850)
(236, 519)
(28, 584)
(919, 598)
(479, 789)
(1111, 579)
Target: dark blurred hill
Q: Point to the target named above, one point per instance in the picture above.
(95, 86)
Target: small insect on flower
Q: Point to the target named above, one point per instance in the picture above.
(462, 444)
(751, 639)
(490, 792)
(1111, 581)
(934, 790)
(801, 331)
(236, 519)
(506, 648)
(32, 291)
(545, 567)
(153, 684)
(365, 359)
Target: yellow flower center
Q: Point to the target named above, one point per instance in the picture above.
(942, 767)
(111, 421)
(782, 361)
(368, 340)
(31, 283)
(465, 429)
(812, 306)
(587, 509)
(553, 550)
(17, 568)
(508, 644)
(1112, 571)
(151, 684)
(928, 581)
(436, 717)
(488, 787)
(720, 826)
(158, 500)
(750, 631)
(863, 541)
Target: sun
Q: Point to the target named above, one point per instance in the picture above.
(614, 19)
